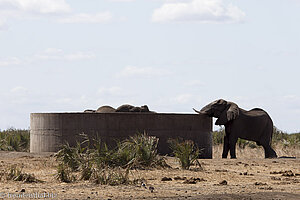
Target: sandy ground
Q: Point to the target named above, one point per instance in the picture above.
(248, 177)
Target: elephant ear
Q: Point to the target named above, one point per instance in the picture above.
(230, 113)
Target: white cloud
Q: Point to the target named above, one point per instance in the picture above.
(60, 55)
(2, 24)
(203, 11)
(30, 9)
(121, 0)
(19, 90)
(37, 9)
(130, 71)
(53, 51)
(50, 54)
(36, 6)
(10, 61)
(102, 17)
(79, 56)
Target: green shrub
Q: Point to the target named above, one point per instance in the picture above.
(70, 156)
(218, 136)
(14, 140)
(16, 174)
(186, 152)
(138, 151)
(279, 137)
(243, 143)
(64, 173)
(110, 176)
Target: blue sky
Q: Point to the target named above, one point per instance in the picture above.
(173, 55)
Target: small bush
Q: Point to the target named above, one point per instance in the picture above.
(15, 173)
(14, 140)
(110, 176)
(141, 151)
(69, 156)
(243, 143)
(86, 171)
(285, 138)
(186, 152)
(138, 151)
(218, 136)
(279, 137)
(64, 173)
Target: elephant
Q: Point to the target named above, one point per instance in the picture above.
(89, 111)
(106, 109)
(130, 108)
(255, 125)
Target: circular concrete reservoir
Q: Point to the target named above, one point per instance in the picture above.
(48, 131)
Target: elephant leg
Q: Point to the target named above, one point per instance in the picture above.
(269, 152)
(232, 143)
(267, 155)
(225, 147)
(273, 153)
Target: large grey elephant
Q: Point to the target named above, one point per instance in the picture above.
(130, 108)
(122, 108)
(255, 125)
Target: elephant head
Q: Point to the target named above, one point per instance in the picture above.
(145, 108)
(225, 111)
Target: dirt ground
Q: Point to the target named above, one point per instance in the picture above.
(248, 177)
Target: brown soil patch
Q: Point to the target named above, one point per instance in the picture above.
(242, 178)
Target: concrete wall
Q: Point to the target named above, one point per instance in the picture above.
(48, 131)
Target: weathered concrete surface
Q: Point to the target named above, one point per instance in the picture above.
(48, 131)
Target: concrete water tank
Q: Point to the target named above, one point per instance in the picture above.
(48, 131)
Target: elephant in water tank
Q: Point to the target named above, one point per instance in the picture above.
(255, 125)
(106, 109)
(89, 111)
(130, 108)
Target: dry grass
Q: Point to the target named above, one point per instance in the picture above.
(250, 153)
(247, 177)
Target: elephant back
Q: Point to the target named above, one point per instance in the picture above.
(105, 109)
(125, 108)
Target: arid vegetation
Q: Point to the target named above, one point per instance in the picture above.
(14, 140)
(185, 151)
(94, 161)
(18, 139)
(134, 170)
(279, 138)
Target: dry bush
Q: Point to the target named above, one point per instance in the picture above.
(16, 173)
(110, 176)
(64, 174)
(139, 151)
(185, 151)
(14, 140)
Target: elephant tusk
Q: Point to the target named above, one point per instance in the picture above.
(197, 111)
